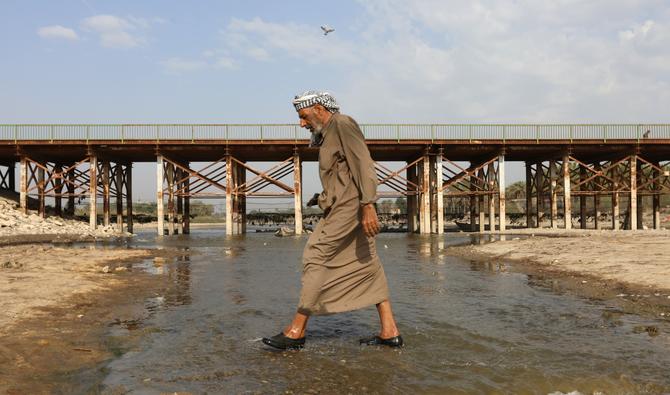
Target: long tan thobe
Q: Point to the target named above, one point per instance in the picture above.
(341, 269)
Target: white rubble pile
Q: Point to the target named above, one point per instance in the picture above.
(14, 222)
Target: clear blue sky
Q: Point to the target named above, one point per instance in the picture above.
(387, 61)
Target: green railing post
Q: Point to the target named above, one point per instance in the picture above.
(192, 134)
(261, 133)
(295, 133)
(16, 133)
(158, 134)
(570, 133)
(470, 133)
(123, 133)
(88, 133)
(604, 133)
(397, 132)
(226, 132)
(537, 134)
(51, 130)
(432, 133)
(504, 133)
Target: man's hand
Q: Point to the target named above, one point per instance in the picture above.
(313, 201)
(369, 221)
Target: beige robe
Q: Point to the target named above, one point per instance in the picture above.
(341, 269)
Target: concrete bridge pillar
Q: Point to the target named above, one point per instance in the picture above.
(501, 192)
(633, 193)
(640, 199)
(93, 192)
(567, 198)
(104, 176)
(23, 181)
(529, 195)
(539, 191)
(424, 210)
(439, 194)
(656, 200)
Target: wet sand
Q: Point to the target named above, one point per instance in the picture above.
(57, 303)
(633, 267)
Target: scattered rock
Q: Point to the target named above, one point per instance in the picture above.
(105, 269)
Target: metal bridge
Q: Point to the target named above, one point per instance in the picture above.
(617, 163)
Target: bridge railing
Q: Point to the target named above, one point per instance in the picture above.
(256, 132)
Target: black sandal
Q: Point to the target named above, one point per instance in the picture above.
(282, 342)
(395, 341)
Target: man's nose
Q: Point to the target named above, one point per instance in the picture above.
(303, 123)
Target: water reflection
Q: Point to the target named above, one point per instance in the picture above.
(471, 327)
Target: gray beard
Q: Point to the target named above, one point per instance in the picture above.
(316, 139)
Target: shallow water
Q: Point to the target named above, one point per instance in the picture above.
(469, 327)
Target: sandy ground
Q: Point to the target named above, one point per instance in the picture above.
(639, 258)
(41, 275)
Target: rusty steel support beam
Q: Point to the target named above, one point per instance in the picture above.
(187, 205)
(582, 197)
(539, 194)
(501, 193)
(118, 177)
(297, 192)
(567, 198)
(412, 201)
(492, 207)
(239, 199)
(129, 197)
(70, 191)
(473, 200)
(58, 190)
(93, 192)
(553, 194)
(481, 203)
(180, 201)
(632, 208)
(23, 181)
(160, 177)
(615, 199)
(169, 175)
(40, 192)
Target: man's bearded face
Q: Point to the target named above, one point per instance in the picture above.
(309, 119)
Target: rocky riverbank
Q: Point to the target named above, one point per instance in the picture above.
(16, 226)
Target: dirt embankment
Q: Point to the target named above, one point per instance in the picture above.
(630, 267)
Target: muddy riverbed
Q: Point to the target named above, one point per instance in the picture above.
(191, 322)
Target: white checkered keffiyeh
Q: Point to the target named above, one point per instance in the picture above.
(310, 98)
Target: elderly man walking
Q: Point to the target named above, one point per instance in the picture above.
(341, 269)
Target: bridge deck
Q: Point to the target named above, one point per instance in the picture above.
(381, 150)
